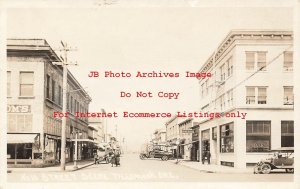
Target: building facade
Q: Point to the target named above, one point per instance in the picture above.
(98, 131)
(34, 93)
(159, 136)
(252, 89)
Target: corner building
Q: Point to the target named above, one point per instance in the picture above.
(34, 93)
(252, 72)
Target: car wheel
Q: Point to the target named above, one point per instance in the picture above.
(142, 156)
(265, 168)
(151, 155)
(289, 170)
(164, 158)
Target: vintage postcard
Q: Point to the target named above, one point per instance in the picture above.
(119, 93)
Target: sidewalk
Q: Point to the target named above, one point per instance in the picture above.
(211, 168)
(56, 168)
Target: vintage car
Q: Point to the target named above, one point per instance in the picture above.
(102, 153)
(151, 150)
(283, 158)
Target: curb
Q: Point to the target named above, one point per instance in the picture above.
(84, 166)
(210, 171)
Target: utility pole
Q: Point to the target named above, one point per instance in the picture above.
(64, 65)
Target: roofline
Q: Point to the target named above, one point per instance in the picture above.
(231, 37)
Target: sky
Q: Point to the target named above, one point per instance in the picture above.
(167, 39)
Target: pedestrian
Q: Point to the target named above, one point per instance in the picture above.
(208, 157)
(203, 157)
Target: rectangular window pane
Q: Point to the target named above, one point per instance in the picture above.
(262, 95)
(26, 90)
(250, 95)
(48, 86)
(261, 60)
(288, 98)
(287, 133)
(258, 136)
(288, 61)
(250, 60)
(26, 83)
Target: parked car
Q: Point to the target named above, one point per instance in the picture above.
(283, 158)
(156, 151)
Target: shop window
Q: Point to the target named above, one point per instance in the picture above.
(288, 61)
(258, 136)
(227, 138)
(288, 98)
(19, 151)
(26, 84)
(287, 133)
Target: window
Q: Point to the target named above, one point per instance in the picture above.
(8, 84)
(261, 61)
(287, 133)
(222, 71)
(53, 90)
(222, 102)
(258, 136)
(250, 60)
(48, 86)
(250, 95)
(229, 67)
(71, 103)
(19, 123)
(230, 98)
(256, 60)
(288, 61)
(262, 95)
(59, 95)
(207, 86)
(227, 138)
(288, 96)
(68, 99)
(26, 84)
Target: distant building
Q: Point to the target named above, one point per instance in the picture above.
(159, 136)
(252, 72)
(97, 126)
(34, 93)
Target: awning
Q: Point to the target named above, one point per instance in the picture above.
(84, 140)
(20, 138)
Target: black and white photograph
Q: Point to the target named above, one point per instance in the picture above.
(168, 94)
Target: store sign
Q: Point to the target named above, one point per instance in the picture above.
(187, 131)
(15, 108)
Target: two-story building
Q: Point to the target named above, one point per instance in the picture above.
(34, 93)
(252, 73)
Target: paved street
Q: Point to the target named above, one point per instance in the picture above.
(134, 169)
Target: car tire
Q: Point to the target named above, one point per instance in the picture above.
(142, 156)
(266, 168)
(164, 158)
(291, 170)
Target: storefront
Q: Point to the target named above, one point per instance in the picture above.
(23, 149)
(205, 142)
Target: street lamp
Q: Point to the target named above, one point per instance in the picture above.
(76, 148)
